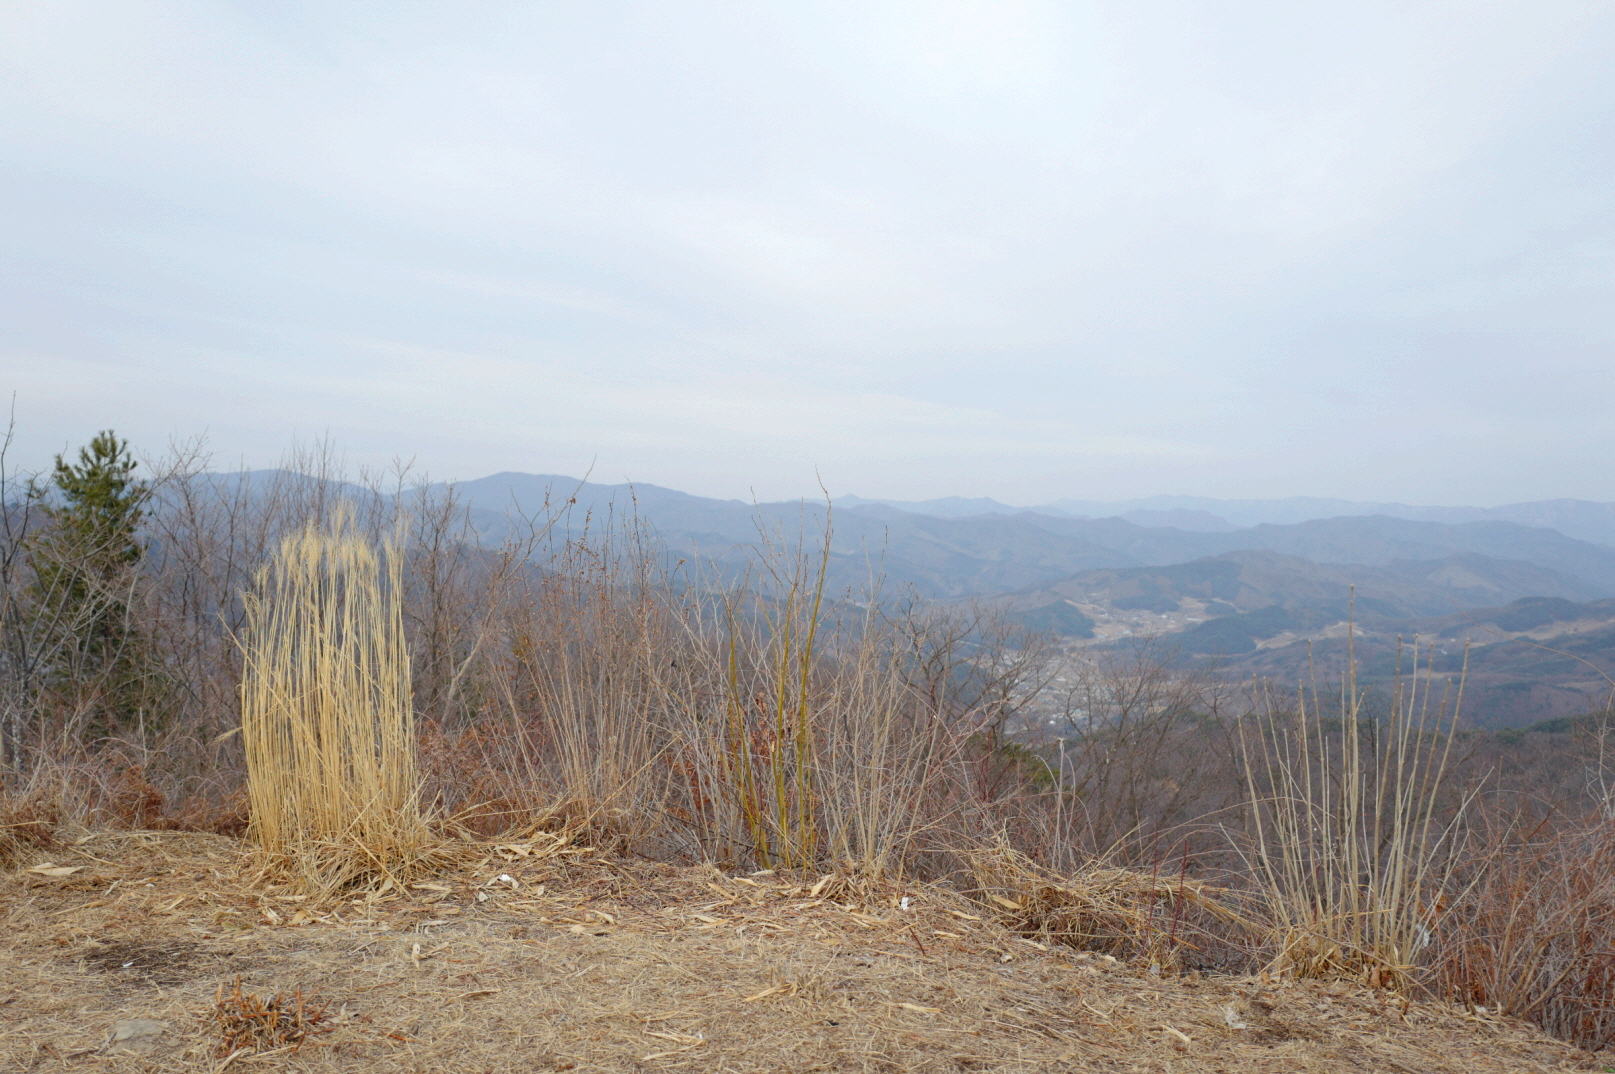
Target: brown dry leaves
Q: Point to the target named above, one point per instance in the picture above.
(250, 1023)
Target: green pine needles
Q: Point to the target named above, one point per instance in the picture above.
(84, 560)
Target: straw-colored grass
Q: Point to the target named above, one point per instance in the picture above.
(1101, 908)
(1344, 834)
(326, 714)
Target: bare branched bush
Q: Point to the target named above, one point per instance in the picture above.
(743, 718)
(1143, 750)
(1531, 936)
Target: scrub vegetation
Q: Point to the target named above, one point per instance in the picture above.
(332, 692)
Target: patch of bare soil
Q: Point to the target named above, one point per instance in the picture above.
(124, 952)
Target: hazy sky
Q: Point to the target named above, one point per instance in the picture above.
(1003, 248)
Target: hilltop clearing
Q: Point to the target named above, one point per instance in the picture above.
(126, 956)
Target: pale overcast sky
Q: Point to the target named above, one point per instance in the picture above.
(997, 248)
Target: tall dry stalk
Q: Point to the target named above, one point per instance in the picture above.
(1344, 834)
(769, 755)
(891, 771)
(326, 714)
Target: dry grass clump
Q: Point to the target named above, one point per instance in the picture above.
(812, 735)
(250, 1023)
(1343, 834)
(746, 718)
(1113, 911)
(326, 712)
(767, 755)
(26, 826)
(34, 813)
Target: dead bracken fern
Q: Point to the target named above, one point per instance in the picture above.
(1114, 911)
(326, 712)
(253, 1024)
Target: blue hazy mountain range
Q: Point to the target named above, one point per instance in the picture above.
(1585, 519)
(1480, 562)
(1005, 549)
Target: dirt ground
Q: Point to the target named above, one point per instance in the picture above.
(115, 946)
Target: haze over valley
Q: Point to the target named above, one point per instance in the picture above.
(1257, 599)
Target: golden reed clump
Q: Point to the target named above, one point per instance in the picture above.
(326, 716)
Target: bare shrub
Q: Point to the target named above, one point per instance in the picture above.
(28, 823)
(1531, 935)
(1143, 750)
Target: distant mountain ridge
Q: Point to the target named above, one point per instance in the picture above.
(991, 553)
(1585, 520)
(1247, 581)
(1527, 646)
